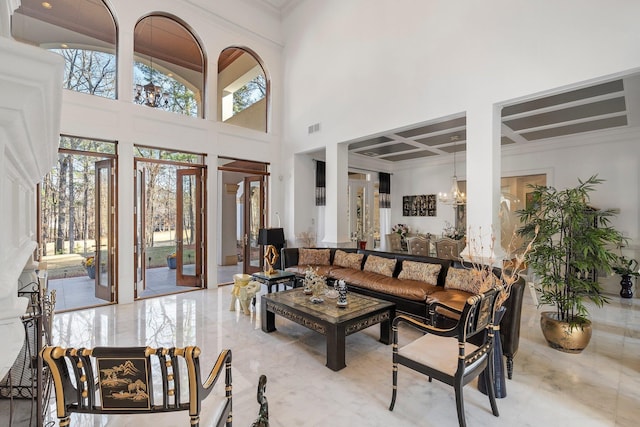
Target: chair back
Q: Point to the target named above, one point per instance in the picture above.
(478, 315)
(119, 380)
(394, 243)
(448, 248)
(418, 245)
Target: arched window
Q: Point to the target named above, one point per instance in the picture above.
(168, 68)
(82, 31)
(243, 89)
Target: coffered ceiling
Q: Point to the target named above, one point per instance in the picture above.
(596, 108)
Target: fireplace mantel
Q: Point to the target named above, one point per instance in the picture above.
(30, 105)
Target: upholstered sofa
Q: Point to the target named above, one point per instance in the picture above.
(412, 282)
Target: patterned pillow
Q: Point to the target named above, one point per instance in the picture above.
(422, 271)
(380, 265)
(348, 260)
(468, 280)
(313, 256)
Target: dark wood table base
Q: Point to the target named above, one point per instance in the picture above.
(327, 319)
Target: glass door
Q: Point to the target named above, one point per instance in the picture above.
(189, 227)
(105, 220)
(140, 225)
(254, 208)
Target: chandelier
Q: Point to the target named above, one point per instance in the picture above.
(455, 197)
(150, 94)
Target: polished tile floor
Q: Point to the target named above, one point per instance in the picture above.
(600, 387)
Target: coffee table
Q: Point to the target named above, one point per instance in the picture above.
(326, 318)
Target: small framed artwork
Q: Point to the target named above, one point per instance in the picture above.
(406, 205)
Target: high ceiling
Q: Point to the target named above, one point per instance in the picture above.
(596, 108)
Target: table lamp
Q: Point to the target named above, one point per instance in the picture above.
(270, 237)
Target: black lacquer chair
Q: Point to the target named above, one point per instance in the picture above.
(445, 354)
(120, 380)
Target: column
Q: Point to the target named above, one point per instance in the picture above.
(336, 210)
(483, 181)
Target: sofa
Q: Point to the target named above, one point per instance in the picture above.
(412, 282)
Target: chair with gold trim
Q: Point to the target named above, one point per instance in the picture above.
(121, 380)
(445, 354)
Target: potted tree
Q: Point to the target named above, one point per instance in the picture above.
(572, 244)
(626, 268)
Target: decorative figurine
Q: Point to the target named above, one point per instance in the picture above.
(342, 294)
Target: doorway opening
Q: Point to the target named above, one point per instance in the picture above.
(76, 223)
(242, 212)
(169, 220)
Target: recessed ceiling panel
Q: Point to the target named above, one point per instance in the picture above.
(434, 127)
(369, 142)
(506, 141)
(577, 128)
(563, 98)
(387, 149)
(445, 138)
(454, 148)
(594, 109)
(409, 156)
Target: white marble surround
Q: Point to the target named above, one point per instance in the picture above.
(600, 387)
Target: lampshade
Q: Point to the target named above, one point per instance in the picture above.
(271, 236)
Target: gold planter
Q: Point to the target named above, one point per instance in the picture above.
(561, 336)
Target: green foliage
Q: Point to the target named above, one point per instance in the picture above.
(569, 247)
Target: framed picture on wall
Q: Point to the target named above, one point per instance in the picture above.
(431, 205)
(406, 205)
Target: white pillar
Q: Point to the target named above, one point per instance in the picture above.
(483, 180)
(336, 211)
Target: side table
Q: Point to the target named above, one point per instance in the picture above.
(279, 277)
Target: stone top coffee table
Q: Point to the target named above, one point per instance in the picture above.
(326, 318)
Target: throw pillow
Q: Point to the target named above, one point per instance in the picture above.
(380, 265)
(348, 260)
(468, 280)
(422, 271)
(313, 256)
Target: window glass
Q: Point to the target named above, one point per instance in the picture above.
(242, 90)
(168, 69)
(82, 31)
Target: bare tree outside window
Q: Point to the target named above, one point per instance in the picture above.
(89, 71)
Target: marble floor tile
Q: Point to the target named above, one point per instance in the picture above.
(599, 387)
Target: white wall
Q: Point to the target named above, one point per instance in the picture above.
(363, 67)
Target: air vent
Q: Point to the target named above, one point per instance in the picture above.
(314, 128)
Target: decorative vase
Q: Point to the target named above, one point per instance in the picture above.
(626, 284)
(342, 294)
(318, 289)
(561, 336)
(91, 271)
(499, 381)
(362, 244)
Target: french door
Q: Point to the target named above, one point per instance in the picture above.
(105, 222)
(254, 219)
(189, 227)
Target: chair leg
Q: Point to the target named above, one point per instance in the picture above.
(509, 366)
(195, 420)
(395, 386)
(460, 404)
(489, 386)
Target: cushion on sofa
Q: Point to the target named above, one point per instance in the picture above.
(300, 270)
(468, 280)
(348, 260)
(409, 289)
(422, 271)
(380, 265)
(313, 256)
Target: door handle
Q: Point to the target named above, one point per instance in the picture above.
(245, 240)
